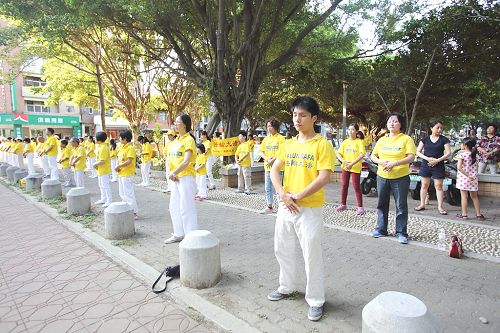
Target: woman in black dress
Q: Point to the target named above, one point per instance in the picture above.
(433, 150)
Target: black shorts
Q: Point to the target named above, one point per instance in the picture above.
(436, 172)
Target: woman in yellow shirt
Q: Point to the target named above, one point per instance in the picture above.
(393, 153)
(90, 149)
(126, 170)
(113, 153)
(78, 161)
(350, 154)
(146, 153)
(29, 153)
(201, 173)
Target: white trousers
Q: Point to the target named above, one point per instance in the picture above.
(93, 171)
(244, 178)
(145, 167)
(106, 194)
(12, 159)
(79, 180)
(114, 174)
(307, 228)
(68, 181)
(31, 164)
(54, 172)
(45, 165)
(210, 164)
(127, 193)
(19, 160)
(201, 183)
(182, 206)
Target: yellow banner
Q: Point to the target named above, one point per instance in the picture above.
(225, 147)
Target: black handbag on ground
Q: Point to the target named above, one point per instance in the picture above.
(170, 272)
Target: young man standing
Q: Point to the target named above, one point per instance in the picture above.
(51, 152)
(308, 160)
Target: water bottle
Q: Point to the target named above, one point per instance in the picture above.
(441, 240)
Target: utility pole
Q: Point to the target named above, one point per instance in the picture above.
(344, 109)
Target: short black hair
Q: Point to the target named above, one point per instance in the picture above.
(274, 124)
(64, 142)
(51, 130)
(307, 103)
(244, 133)
(140, 138)
(401, 119)
(201, 148)
(27, 140)
(126, 135)
(112, 143)
(218, 134)
(205, 133)
(101, 136)
(493, 125)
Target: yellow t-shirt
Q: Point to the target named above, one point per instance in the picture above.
(367, 141)
(201, 160)
(28, 148)
(51, 142)
(303, 161)
(146, 148)
(394, 149)
(242, 149)
(349, 150)
(79, 152)
(250, 144)
(103, 155)
(208, 148)
(33, 146)
(127, 151)
(113, 153)
(270, 146)
(64, 153)
(90, 149)
(18, 148)
(176, 151)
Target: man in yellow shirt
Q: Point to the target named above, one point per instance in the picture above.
(64, 160)
(126, 170)
(51, 153)
(308, 161)
(78, 161)
(268, 151)
(103, 167)
(40, 149)
(242, 157)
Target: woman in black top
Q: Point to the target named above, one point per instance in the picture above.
(433, 150)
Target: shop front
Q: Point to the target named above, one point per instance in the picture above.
(24, 125)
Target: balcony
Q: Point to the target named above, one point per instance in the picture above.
(27, 92)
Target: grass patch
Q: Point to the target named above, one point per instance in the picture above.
(124, 242)
(86, 220)
(55, 202)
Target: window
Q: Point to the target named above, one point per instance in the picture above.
(32, 81)
(34, 106)
(70, 108)
(162, 115)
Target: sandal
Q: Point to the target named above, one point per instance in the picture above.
(443, 212)
(419, 208)
(460, 216)
(481, 217)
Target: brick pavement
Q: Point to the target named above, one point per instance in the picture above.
(52, 281)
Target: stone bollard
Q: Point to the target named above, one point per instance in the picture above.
(78, 201)
(20, 174)
(392, 312)
(34, 182)
(3, 169)
(10, 172)
(51, 188)
(199, 257)
(119, 221)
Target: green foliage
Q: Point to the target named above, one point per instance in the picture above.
(86, 220)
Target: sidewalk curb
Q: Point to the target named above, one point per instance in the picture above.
(215, 316)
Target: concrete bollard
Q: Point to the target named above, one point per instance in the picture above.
(10, 172)
(34, 182)
(51, 188)
(119, 221)
(3, 169)
(199, 257)
(20, 174)
(78, 201)
(392, 312)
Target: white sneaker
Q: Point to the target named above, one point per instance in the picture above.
(99, 202)
(113, 180)
(173, 239)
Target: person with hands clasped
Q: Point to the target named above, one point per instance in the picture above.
(350, 154)
(242, 158)
(393, 153)
(467, 181)
(308, 161)
(126, 170)
(103, 169)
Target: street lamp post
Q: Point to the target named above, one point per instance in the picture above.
(344, 110)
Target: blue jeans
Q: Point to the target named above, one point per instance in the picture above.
(268, 184)
(399, 188)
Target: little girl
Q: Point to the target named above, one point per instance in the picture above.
(201, 173)
(467, 182)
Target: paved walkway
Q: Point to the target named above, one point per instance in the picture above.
(52, 281)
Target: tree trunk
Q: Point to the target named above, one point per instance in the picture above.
(102, 104)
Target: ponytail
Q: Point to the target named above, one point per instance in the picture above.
(473, 154)
(471, 144)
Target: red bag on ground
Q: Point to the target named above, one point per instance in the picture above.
(456, 247)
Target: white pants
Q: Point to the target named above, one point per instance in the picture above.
(79, 180)
(19, 160)
(201, 183)
(45, 165)
(31, 165)
(12, 159)
(492, 167)
(244, 178)
(210, 164)
(54, 172)
(145, 167)
(114, 174)
(126, 189)
(68, 181)
(93, 171)
(182, 206)
(307, 227)
(106, 194)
